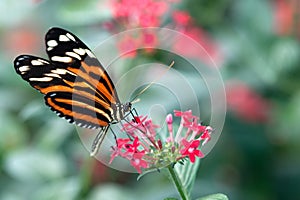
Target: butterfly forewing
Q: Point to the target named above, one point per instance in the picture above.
(68, 51)
(75, 84)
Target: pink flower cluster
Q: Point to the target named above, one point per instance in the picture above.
(141, 13)
(138, 14)
(152, 13)
(144, 148)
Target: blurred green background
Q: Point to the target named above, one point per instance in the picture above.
(255, 44)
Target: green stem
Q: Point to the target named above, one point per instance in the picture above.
(177, 183)
(85, 177)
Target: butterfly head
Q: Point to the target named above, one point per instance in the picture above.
(127, 106)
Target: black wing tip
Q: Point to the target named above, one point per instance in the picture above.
(56, 28)
(24, 59)
(55, 31)
(21, 60)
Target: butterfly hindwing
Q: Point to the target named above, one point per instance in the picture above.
(41, 74)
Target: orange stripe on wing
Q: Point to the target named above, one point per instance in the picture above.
(75, 115)
(98, 83)
(85, 106)
(60, 88)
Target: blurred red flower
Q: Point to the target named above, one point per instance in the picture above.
(210, 49)
(246, 103)
(181, 18)
(285, 17)
(21, 40)
(128, 45)
(139, 13)
(150, 13)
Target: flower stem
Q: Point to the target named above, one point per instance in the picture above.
(178, 184)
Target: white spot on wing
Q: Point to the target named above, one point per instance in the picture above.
(24, 68)
(52, 43)
(63, 38)
(43, 61)
(64, 59)
(53, 75)
(90, 54)
(49, 48)
(62, 71)
(74, 55)
(79, 51)
(43, 79)
(70, 36)
(36, 62)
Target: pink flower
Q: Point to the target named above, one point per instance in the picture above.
(211, 48)
(137, 13)
(138, 123)
(148, 150)
(128, 46)
(190, 149)
(117, 150)
(284, 16)
(149, 41)
(181, 18)
(24, 39)
(206, 135)
(137, 161)
(246, 103)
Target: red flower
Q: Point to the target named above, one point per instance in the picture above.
(211, 49)
(133, 148)
(181, 18)
(185, 114)
(149, 150)
(21, 40)
(137, 161)
(137, 124)
(188, 120)
(190, 149)
(117, 150)
(137, 13)
(284, 17)
(149, 41)
(128, 46)
(246, 103)
(205, 136)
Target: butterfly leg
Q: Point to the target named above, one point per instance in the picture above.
(134, 113)
(115, 136)
(98, 140)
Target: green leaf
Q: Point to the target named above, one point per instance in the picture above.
(187, 174)
(217, 196)
(147, 172)
(170, 198)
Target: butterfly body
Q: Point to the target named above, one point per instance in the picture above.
(75, 84)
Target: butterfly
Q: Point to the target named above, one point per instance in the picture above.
(74, 83)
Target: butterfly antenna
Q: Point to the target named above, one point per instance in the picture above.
(134, 100)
